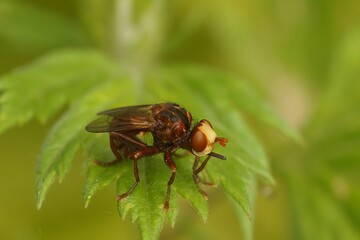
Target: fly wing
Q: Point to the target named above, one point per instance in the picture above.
(132, 118)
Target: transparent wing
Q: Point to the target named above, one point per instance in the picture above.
(131, 118)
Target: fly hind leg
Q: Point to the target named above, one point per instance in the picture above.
(137, 180)
(150, 150)
(134, 149)
(172, 166)
(114, 149)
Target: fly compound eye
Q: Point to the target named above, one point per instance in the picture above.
(199, 141)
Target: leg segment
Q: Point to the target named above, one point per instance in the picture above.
(115, 152)
(134, 148)
(114, 148)
(145, 151)
(137, 180)
(131, 148)
(196, 177)
(202, 166)
(128, 139)
(172, 166)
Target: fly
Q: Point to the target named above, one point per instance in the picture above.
(170, 126)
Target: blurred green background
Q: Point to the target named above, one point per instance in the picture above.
(303, 56)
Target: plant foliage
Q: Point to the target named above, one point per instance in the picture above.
(321, 180)
(88, 83)
(73, 78)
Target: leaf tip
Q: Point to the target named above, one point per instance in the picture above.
(123, 208)
(43, 185)
(86, 200)
(248, 212)
(171, 214)
(40, 196)
(38, 205)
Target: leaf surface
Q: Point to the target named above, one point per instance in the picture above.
(43, 87)
(33, 29)
(321, 183)
(90, 83)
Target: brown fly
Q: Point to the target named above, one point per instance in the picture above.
(170, 127)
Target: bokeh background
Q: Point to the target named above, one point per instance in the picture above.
(291, 51)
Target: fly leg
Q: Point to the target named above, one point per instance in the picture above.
(145, 151)
(172, 166)
(121, 139)
(131, 148)
(115, 152)
(199, 179)
(137, 180)
(196, 177)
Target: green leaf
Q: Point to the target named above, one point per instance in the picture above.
(146, 203)
(43, 87)
(92, 84)
(30, 28)
(97, 176)
(189, 191)
(245, 155)
(68, 134)
(318, 213)
(246, 222)
(322, 195)
(216, 104)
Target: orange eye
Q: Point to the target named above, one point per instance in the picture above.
(198, 141)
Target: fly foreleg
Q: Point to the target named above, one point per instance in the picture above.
(196, 176)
